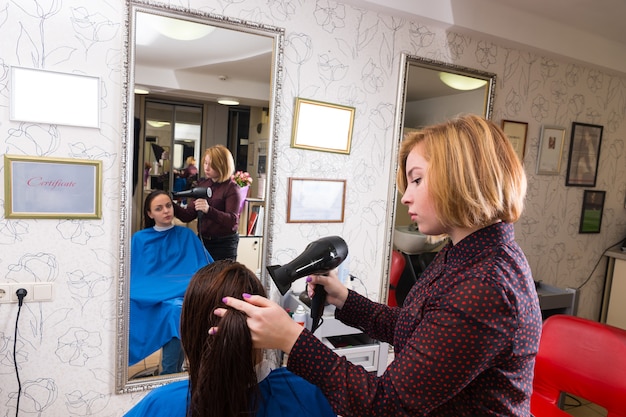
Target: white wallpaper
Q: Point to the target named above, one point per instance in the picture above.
(334, 53)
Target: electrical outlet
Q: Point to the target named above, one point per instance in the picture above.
(5, 293)
(29, 291)
(35, 291)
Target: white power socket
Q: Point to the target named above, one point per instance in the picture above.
(35, 291)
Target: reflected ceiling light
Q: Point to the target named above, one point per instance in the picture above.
(461, 82)
(182, 30)
(141, 90)
(228, 101)
(156, 123)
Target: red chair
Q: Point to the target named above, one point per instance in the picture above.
(398, 262)
(583, 358)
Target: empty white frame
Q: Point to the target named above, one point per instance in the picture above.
(56, 98)
(322, 126)
(313, 200)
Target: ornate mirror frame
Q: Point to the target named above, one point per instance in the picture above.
(406, 89)
(122, 382)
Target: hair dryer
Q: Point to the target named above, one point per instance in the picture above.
(196, 192)
(318, 257)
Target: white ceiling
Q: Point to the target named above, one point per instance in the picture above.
(590, 31)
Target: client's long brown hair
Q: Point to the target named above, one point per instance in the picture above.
(221, 366)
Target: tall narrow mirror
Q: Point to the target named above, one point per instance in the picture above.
(429, 92)
(181, 64)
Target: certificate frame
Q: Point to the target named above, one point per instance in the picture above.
(52, 188)
(321, 126)
(584, 155)
(550, 150)
(516, 132)
(312, 200)
(591, 214)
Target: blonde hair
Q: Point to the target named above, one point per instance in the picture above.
(474, 175)
(221, 161)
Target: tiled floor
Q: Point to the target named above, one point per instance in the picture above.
(146, 367)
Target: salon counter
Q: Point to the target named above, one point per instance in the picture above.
(613, 310)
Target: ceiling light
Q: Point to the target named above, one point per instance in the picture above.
(156, 123)
(182, 30)
(461, 82)
(228, 101)
(141, 90)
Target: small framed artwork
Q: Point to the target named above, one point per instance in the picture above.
(550, 150)
(322, 126)
(516, 132)
(584, 154)
(591, 215)
(52, 188)
(316, 200)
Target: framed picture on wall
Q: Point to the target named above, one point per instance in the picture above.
(313, 200)
(516, 132)
(52, 188)
(550, 150)
(320, 126)
(591, 215)
(584, 154)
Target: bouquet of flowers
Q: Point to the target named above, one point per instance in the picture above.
(242, 178)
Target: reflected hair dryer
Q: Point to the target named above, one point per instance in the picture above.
(318, 257)
(195, 192)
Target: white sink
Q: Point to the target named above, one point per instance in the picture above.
(412, 242)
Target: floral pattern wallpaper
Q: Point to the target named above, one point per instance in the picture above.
(65, 349)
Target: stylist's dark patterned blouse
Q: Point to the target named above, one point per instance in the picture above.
(465, 340)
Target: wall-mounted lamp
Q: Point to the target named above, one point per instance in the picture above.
(461, 82)
(228, 101)
(182, 30)
(156, 123)
(141, 90)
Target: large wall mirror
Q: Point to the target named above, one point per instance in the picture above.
(181, 62)
(429, 92)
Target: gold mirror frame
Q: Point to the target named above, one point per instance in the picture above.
(411, 67)
(122, 382)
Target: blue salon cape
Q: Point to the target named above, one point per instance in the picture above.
(284, 395)
(161, 266)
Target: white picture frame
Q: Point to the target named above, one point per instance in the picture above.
(550, 150)
(312, 200)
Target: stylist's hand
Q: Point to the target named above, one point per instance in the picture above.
(201, 205)
(270, 325)
(336, 292)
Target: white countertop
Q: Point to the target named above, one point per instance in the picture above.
(616, 252)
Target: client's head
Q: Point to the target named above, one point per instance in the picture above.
(221, 366)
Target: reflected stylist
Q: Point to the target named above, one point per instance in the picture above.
(219, 223)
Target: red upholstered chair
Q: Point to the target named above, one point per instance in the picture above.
(583, 358)
(398, 262)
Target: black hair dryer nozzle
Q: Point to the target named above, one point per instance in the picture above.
(319, 256)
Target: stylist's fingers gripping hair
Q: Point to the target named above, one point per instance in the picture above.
(269, 324)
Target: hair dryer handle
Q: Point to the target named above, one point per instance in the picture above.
(317, 306)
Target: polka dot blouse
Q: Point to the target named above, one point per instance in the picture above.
(465, 340)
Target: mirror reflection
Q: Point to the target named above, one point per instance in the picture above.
(182, 65)
(432, 92)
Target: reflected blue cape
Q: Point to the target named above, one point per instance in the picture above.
(161, 266)
(284, 395)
